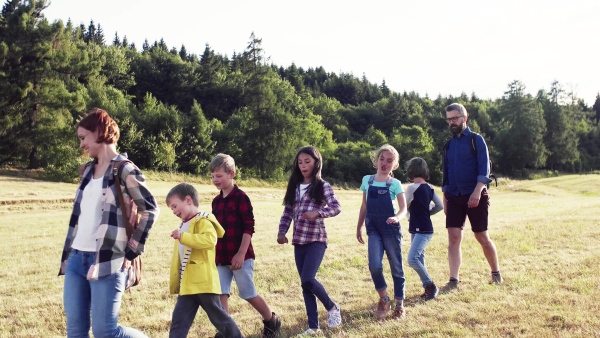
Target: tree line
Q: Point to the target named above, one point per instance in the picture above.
(177, 109)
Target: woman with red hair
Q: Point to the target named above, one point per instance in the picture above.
(97, 253)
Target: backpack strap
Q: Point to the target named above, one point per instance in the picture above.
(117, 171)
(474, 143)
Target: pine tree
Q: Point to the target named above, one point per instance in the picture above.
(40, 69)
(596, 108)
(99, 36)
(183, 53)
(116, 41)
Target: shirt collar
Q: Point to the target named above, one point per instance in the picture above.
(465, 132)
(233, 191)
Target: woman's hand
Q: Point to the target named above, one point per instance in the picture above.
(126, 264)
(393, 220)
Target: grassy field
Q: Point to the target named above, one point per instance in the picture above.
(547, 233)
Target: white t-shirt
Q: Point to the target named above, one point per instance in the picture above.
(303, 188)
(90, 216)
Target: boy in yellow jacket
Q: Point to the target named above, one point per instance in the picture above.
(194, 274)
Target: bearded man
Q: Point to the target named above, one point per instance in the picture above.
(466, 178)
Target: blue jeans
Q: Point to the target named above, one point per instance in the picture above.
(389, 243)
(308, 259)
(416, 256)
(102, 297)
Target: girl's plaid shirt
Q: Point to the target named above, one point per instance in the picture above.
(309, 231)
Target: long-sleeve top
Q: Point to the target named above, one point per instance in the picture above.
(112, 245)
(234, 212)
(461, 169)
(418, 199)
(306, 231)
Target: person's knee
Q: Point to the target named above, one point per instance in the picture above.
(483, 238)
(454, 239)
(308, 285)
(413, 261)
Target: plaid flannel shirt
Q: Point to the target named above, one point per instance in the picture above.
(305, 231)
(112, 245)
(234, 212)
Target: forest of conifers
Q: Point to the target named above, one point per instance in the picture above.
(177, 109)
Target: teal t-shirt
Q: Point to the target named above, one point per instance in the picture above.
(395, 188)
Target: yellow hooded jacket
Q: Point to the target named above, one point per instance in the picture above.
(200, 275)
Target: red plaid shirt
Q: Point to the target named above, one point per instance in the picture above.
(234, 212)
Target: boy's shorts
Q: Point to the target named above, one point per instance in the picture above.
(458, 209)
(244, 279)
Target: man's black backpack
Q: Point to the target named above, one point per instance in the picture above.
(474, 151)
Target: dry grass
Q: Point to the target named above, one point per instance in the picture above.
(547, 233)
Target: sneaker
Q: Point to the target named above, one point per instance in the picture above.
(451, 285)
(334, 317)
(271, 327)
(431, 291)
(399, 312)
(382, 309)
(310, 332)
(496, 279)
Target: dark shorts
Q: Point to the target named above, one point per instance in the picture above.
(457, 211)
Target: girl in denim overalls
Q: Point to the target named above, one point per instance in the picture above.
(383, 227)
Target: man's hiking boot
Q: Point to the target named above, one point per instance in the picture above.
(496, 278)
(383, 308)
(451, 285)
(271, 327)
(431, 291)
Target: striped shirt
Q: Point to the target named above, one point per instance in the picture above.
(112, 246)
(306, 231)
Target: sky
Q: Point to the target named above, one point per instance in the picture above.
(430, 47)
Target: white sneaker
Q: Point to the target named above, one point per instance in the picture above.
(309, 332)
(334, 317)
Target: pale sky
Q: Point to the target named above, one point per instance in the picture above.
(430, 47)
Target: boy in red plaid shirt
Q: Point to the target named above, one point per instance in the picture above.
(234, 253)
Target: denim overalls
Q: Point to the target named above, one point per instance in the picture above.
(383, 237)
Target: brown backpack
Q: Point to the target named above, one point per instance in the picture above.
(135, 271)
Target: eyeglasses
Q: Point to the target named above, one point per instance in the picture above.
(453, 119)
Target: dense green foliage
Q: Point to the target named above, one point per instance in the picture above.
(177, 109)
